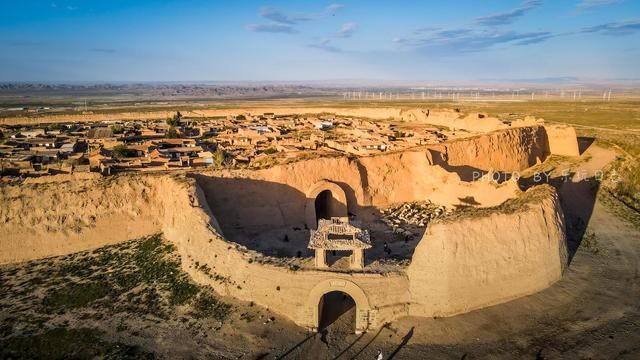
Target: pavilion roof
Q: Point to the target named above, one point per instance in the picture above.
(339, 234)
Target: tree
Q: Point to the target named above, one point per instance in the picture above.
(218, 158)
(120, 151)
(117, 129)
(171, 133)
(175, 120)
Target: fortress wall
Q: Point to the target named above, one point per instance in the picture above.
(457, 266)
(62, 214)
(277, 288)
(122, 208)
(411, 176)
(562, 140)
(276, 197)
(452, 119)
(511, 149)
(477, 261)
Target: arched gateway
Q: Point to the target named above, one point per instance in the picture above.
(325, 199)
(314, 305)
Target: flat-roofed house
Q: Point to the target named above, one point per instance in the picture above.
(189, 151)
(33, 133)
(68, 148)
(40, 143)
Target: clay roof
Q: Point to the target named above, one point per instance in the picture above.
(184, 149)
(338, 234)
(176, 141)
(141, 147)
(100, 133)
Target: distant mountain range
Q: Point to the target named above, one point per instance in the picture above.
(262, 89)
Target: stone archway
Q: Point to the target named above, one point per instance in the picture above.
(363, 308)
(329, 197)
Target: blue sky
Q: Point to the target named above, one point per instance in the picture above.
(198, 40)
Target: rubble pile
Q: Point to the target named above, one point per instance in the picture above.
(410, 215)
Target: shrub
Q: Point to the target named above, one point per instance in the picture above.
(207, 306)
(172, 133)
(175, 120)
(219, 158)
(117, 129)
(120, 151)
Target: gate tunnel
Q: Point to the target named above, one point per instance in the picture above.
(325, 199)
(330, 299)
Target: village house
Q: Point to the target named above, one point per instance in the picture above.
(31, 133)
(39, 143)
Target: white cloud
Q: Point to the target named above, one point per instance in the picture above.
(271, 28)
(590, 4)
(508, 17)
(283, 22)
(347, 30)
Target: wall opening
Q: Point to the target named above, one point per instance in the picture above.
(325, 199)
(338, 310)
(341, 256)
(323, 205)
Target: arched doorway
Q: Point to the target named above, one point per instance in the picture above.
(337, 309)
(323, 205)
(327, 298)
(325, 199)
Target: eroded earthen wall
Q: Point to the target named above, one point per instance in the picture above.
(562, 140)
(276, 197)
(42, 220)
(63, 214)
(512, 149)
(457, 266)
(503, 256)
(482, 260)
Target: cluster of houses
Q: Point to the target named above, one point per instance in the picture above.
(180, 143)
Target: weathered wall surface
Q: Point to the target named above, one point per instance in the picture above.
(474, 122)
(478, 261)
(280, 289)
(458, 265)
(412, 176)
(453, 119)
(511, 149)
(67, 214)
(548, 139)
(562, 140)
(256, 200)
(276, 197)
(62, 214)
